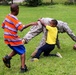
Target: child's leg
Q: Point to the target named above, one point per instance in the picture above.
(7, 59)
(40, 50)
(38, 53)
(23, 65)
(13, 53)
(34, 53)
(48, 50)
(22, 61)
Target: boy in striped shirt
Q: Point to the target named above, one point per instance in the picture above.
(11, 25)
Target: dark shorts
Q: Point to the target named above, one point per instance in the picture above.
(18, 49)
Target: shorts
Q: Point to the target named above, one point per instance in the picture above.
(18, 49)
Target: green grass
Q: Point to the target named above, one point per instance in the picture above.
(46, 65)
(55, 1)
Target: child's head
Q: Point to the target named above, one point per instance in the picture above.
(53, 23)
(14, 9)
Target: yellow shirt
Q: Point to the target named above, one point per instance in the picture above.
(51, 34)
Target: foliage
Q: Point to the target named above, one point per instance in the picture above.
(39, 2)
(33, 2)
(5, 2)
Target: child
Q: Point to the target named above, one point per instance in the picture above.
(50, 40)
(11, 25)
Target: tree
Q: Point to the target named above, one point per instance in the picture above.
(51, 1)
(12, 1)
(33, 2)
(72, 1)
(6, 1)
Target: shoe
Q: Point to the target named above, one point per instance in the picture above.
(24, 69)
(6, 61)
(58, 55)
(34, 59)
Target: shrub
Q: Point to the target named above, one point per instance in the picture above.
(33, 2)
(5, 2)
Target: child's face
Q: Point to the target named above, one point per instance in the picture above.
(52, 24)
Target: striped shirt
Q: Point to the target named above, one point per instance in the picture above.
(11, 25)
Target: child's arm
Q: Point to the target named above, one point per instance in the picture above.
(30, 24)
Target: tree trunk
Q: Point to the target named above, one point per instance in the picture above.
(51, 1)
(12, 1)
(74, 0)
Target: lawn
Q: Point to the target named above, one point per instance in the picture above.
(46, 65)
(55, 1)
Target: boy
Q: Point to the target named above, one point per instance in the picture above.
(50, 40)
(11, 25)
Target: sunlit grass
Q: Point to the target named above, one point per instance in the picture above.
(46, 65)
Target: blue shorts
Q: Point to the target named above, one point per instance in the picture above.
(18, 49)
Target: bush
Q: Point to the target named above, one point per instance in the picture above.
(33, 2)
(4, 2)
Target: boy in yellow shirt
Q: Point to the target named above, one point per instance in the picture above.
(50, 40)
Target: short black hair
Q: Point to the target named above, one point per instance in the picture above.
(14, 7)
(55, 22)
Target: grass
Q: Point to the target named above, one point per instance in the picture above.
(55, 1)
(46, 65)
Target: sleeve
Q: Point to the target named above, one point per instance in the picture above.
(3, 25)
(69, 32)
(19, 25)
(48, 27)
